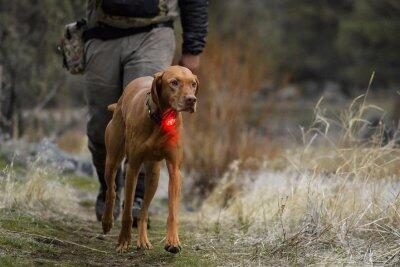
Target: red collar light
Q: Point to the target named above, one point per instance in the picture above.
(168, 125)
(168, 122)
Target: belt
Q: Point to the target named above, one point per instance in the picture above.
(106, 32)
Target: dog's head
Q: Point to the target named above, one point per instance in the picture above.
(176, 87)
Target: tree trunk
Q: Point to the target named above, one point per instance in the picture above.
(396, 112)
(7, 99)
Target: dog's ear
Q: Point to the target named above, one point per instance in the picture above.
(198, 84)
(156, 89)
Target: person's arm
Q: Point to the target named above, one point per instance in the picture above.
(194, 18)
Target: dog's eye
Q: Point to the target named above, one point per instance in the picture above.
(194, 84)
(174, 83)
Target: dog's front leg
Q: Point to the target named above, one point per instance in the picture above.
(125, 236)
(151, 183)
(172, 243)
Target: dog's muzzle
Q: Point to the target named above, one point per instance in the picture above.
(190, 103)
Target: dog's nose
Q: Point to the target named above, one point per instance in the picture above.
(190, 100)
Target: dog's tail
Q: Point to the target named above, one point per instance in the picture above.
(112, 107)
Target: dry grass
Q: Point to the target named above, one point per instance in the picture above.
(337, 200)
(37, 190)
(348, 151)
(308, 218)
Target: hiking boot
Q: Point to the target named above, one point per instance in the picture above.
(137, 205)
(101, 205)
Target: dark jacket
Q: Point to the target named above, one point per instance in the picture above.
(194, 18)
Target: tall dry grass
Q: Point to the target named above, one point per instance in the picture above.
(339, 145)
(37, 190)
(337, 200)
(225, 126)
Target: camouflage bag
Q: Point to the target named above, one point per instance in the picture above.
(72, 47)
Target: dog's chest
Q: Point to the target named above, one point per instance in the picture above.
(154, 147)
(156, 154)
(153, 151)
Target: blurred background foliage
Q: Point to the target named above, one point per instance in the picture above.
(341, 40)
(29, 32)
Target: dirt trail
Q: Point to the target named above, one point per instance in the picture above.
(30, 240)
(33, 231)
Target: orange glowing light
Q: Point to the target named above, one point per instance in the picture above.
(168, 125)
(168, 121)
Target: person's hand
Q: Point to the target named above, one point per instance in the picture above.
(190, 61)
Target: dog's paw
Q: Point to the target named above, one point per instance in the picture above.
(144, 245)
(143, 241)
(172, 244)
(123, 246)
(124, 241)
(107, 224)
(173, 249)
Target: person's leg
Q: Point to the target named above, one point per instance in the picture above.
(103, 87)
(153, 52)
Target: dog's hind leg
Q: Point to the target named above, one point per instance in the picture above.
(125, 236)
(115, 141)
(152, 170)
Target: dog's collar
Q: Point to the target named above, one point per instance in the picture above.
(153, 115)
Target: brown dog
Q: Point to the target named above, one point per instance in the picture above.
(145, 128)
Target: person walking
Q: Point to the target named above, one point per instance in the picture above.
(127, 39)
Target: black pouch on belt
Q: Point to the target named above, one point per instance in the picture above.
(132, 8)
